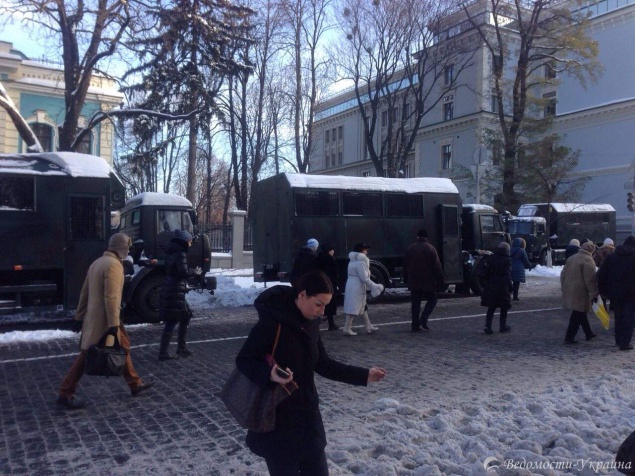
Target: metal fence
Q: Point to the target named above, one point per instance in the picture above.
(221, 236)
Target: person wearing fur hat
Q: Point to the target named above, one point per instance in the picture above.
(603, 251)
(326, 263)
(98, 314)
(357, 283)
(579, 288)
(305, 260)
(173, 307)
(616, 281)
(498, 287)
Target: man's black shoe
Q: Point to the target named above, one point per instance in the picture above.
(506, 329)
(415, 329)
(425, 327)
(591, 336)
(570, 341)
(70, 403)
(628, 347)
(144, 386)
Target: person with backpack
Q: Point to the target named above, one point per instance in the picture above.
(520, 262)
(326, 263)
(496, 272)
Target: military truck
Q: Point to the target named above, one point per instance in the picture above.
(386, 213)
(55, 213)
(150, 220)
(540, 224)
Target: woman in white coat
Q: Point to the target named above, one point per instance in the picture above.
(357, 283)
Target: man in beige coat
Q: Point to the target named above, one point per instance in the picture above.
(579, 288)
(98, 312)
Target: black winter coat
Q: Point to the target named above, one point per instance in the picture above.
(422, 270)
(304, 262)
(299, 427)
(498, 281)
(616, 276)
(327, 264)
(173, 306)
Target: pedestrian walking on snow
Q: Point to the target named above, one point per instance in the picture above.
(423, 274)
(296, 445)
(98, 313)
(520, 262)
(498, 287)
(616, 281)
(305, 260)
(579, 288)
(601, 253)
(326, 263)
(173, 308)
(357, 282)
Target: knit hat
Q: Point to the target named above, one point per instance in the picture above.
(313, 244)
(574, 242)
(359, 247)
(120, 243)
(183, 235)
(504, 245)
(589, 246)
(608, 241)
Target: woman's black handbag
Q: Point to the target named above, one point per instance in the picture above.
(105, 361)
(254, 407)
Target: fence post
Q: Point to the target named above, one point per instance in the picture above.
(237, 218)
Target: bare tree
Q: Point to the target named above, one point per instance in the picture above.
(32, 143)
(399, 72)
(525, 39)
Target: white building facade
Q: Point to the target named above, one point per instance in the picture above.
(599, 121)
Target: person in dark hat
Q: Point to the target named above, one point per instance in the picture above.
(423, 273)
(305, 260)
(326, 263)
(497, 292)
(173, 306)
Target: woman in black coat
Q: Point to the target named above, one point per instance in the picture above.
(326, 263)
(296, 446)
(498, 287)
(173, 307)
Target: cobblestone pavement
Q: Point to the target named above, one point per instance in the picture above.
(181, 427)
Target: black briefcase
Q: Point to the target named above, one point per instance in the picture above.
(105, 361)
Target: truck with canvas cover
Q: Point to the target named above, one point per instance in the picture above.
(150, 220)
(386, 213)
(55, 211)
(556, 224)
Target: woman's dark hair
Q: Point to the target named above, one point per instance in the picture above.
(314, 283)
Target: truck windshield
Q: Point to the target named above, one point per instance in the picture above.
(527, 211)
(520, 227)
(170, 220)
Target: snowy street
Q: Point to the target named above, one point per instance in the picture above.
(453, 397)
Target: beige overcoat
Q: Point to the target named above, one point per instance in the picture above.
(578, 282)
(100, 300)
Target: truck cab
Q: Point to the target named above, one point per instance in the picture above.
(150, 220)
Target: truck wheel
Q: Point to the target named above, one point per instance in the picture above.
(146, 298)
(462, 289)
(377, 276)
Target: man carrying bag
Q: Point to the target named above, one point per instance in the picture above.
(98, 314)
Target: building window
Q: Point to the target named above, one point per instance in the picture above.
(405, 113)
(384, 119)
(333, 136)
(448, 74)
(550, 71)
(84, 146)
(448, 111)
(339, 158)
(497, 152)
(333, 159)
(494, 101)
(44, 134)
(366, 174)
(550, 104)
(326, 136)
(340, 133)
(326, 161)
(446, 156)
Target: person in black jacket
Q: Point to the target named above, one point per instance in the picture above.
(616, 281)
(305, 260)
(327, 264)
(173, 307)
(296, 446)
(498, 287)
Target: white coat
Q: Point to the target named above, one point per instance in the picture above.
(357, 283)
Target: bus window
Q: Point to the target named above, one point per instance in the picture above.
(315, 203)
(170, 220)
(361, 204)
(404, 205)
